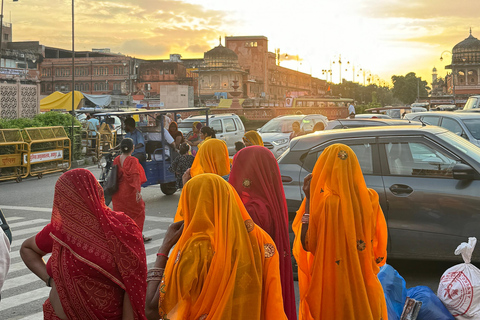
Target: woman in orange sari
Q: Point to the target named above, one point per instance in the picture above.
(252, 138)
(340, 242)
(130, 177)
(98, 266)
(256, 177)
(223, 266)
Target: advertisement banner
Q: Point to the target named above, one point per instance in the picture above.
(44, 156)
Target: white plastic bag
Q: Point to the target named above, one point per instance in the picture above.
(459, 287)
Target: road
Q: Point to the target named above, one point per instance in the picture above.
(27, 206)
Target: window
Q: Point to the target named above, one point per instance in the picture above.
(117, 86)
(418, 159)
(229, 125)
(217, 126)
(251, 44)
(431, 120)
(5, 37)
(239, 124)
(452, 125)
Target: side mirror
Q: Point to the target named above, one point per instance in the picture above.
(463, 171)
(464, 135)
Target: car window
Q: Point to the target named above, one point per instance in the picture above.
(452, 125)
(431, 120)
(239, 124)
(217, 126)
(473, 126)
(418, 159)
(362, 150)
(229, 125)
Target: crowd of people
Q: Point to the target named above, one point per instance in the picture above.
(227, 255)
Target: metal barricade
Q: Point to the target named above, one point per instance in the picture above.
(49, 150)
(12, 147)
(107, 139)
(90, 141)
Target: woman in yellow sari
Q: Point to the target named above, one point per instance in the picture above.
(340, 242)
(252, 138)
(223, 265)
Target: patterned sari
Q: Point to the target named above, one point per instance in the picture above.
(98, 254)
(212, 157)
(346, 242)
(223, 266)
(256, 177)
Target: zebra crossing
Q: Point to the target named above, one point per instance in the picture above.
(23, 293)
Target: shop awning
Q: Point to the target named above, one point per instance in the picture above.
(101, 100)
(227, 103)
(60, 101)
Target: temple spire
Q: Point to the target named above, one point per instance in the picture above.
(470, 30)
(220, 38)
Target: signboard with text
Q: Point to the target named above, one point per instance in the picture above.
(10, 160)
(44, 156)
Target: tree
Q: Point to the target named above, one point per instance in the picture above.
(409, 87)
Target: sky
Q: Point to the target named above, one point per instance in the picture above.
(384, 38)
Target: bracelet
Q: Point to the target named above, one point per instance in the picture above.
(48, 281)
(154, 279)
(305, 218)
(162, 254)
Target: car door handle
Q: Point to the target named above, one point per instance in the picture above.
(401, 189)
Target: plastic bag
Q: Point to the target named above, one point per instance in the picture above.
(395, 291)
(459, 287)
(432, 308)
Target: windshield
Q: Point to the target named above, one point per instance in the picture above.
(472, 103)
(473, 126)
(279, 126)
(461, 144)
(186, 125)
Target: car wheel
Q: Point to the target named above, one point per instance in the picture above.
(168, 188)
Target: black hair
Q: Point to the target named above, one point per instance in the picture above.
(319, 126)
(184, 147)
(239, 145)
(130, 122)
(208, 132)
(126, 145)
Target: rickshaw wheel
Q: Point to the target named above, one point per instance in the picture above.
(40, 176)
(18, 179)
(168, 188)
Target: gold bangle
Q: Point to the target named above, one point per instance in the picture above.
(154, 279)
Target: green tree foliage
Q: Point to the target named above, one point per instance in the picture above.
(363, 95)
(407, 88)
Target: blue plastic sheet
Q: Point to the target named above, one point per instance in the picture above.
(395, 291)
(432, 308)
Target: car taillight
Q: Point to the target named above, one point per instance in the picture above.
(286, 179)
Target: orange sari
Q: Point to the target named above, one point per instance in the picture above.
(212, 157)
(347, 243)
(254, 138)
(128, 198)
(223, 266)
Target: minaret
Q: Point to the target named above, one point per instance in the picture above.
(434, 75)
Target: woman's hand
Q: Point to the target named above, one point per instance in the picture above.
(306, 185)
(55, 301)
(186, 176)
(171, 238)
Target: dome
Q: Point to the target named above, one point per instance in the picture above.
(434, 69)
(468, 45)
(467, 51)
(221, 57)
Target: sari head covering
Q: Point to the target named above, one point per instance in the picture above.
(253, 137)
(87, 232)
(223, 266)
(174, 132)
(347, 242)
(212, 157)
(256, 178)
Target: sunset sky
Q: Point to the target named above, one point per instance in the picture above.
(384, 37)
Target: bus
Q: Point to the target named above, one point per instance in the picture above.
(332, 108)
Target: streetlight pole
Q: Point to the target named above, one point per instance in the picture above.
(453, 75)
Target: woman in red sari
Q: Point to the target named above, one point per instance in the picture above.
(98, 266)
(256, 177)
(176, 134)
(130, 177)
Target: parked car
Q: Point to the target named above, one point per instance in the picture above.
(362, 122)
(427, 179)
(228, 127)
(472, 104)
(276, 132)
(464, 124)
(372, 116)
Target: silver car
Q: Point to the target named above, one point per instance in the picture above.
(427, 178)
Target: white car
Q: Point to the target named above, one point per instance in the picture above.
(228, 127)
(276, 132)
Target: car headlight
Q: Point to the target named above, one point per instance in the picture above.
(280, 141)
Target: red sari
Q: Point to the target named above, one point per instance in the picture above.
(128, 199)
(97, 255)
(256, 177)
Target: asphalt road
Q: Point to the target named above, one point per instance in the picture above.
(27, 206)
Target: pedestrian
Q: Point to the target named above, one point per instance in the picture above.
(239, 145)
(181, 164)
(193, 137)
(222, 266)
(205, 134)
(351, 110)
(252, 138)
(256, 178)
(319, 126)
(340, 242)
(130, 177)
(93, 125)
(296, 130)
(176, 134)
(98, 265)
(138, 140)
(212, 157)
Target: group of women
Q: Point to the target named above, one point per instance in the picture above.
(227, 255)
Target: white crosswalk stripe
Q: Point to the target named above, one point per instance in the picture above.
(23, 289)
